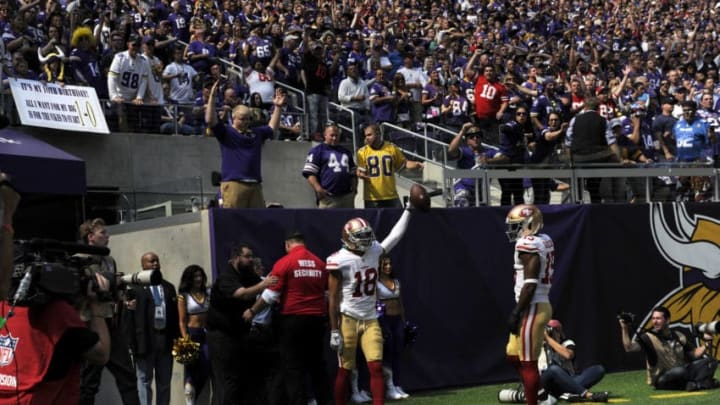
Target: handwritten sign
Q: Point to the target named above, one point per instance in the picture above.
(71, 108)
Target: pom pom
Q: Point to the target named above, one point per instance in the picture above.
(185, 351)
(380, 307)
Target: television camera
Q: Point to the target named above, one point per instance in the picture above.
(48, 269)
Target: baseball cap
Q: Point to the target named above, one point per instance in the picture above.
(555, 324)
(601, 89)
(148, 39)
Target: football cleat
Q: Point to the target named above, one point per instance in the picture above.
(523, 220)
(357, 235)
(392, 393)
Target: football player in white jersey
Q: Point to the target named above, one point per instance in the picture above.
(354, 272)
(534, 257)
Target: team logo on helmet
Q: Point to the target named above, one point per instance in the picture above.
(357, 235)
(523, 220)
(690, 243)
(7, 349)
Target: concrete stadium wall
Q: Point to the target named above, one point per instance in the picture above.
(170, 164)
(178, 241)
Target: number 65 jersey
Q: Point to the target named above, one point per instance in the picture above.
(359, 280)
(543, 246)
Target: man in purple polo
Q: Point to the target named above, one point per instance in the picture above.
(241, 151)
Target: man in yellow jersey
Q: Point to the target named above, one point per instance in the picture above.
(377, 163)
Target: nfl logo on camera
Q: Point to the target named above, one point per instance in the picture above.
(7, 349)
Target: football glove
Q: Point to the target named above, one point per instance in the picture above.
(513, 322)
(336, 341)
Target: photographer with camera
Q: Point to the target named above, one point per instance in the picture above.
(45, 345)
(94, 233)
(557, 371)
(673, 362)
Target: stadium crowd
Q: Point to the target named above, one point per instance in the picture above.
(405, 62)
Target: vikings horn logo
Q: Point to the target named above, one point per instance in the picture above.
(692, 245)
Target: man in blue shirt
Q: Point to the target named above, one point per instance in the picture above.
(692, 135)
(694, 138)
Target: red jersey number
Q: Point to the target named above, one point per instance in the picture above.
(365, 284)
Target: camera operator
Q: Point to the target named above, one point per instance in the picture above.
(47, 344)
(94, 233)
(9, 199)
(559, 376)
(673, 362)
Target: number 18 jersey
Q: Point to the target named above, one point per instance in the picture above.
(359, 280)
(543, 246)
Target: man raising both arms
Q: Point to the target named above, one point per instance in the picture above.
(354, 271)
(534, 257)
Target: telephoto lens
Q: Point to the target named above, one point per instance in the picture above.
(711, 328)
(511, 396)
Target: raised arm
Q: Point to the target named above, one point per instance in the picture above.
(210, 113)
(397, 232)
(628, 344)
(453, 151)
(278, 101)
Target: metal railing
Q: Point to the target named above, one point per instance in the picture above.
(575, 175)
(338, 114)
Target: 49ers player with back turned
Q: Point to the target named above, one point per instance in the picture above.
(534, 257)
(354, 272)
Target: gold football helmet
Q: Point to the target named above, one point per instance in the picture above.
(523, 220)
(357, 235)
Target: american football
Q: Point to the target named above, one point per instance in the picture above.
(419, 197)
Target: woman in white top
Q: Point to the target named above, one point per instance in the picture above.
(193, 304)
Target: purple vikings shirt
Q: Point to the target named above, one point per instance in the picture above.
(180, 26)
(240, 153)
(88, 70)
(383, 111)
(333, 166)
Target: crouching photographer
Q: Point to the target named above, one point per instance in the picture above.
(557, 370)
(673, 361)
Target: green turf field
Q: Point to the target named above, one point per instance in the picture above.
(625, 388)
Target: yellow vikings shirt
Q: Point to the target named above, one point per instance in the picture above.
(380, 166)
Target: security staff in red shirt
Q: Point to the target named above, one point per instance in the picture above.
(300, 292)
